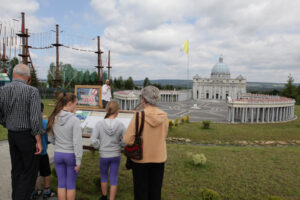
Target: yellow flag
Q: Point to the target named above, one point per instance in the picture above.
(186, 47)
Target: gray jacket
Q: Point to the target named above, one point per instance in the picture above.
(107, 137)
(67, 136)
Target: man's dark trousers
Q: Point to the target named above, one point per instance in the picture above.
(24, 164)
(104, 103)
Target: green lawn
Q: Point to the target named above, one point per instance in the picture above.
(237, 132)
(236, 173)
(225, 133)
(3, 133)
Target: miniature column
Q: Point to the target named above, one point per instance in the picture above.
(272, 119)
(228, 114)
(130, 107)
(243, 114)
(252, 115)
(257, 114)
(280, 114)
(268, 114)
(232, 117)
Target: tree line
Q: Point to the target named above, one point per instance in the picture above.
(290, 90)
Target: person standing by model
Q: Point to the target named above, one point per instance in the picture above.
(20, 113)
(106, 94)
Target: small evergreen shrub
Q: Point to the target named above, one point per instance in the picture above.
(273, 198)
(199, 159)
(182, 119)
(208, 194)
(206, 124)
(187, 119)
(176, 122)
(171, 123)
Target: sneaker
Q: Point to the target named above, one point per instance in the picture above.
(103, 198)
(48, 193)
(35, 194)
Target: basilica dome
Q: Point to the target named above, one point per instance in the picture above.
(220, 70)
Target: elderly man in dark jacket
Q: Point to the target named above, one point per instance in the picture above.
(20, 113)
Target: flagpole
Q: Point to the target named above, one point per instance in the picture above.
(186, 49)
(188, 62)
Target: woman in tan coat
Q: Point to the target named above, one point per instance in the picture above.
(148, 172)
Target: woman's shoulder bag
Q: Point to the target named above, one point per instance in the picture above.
(135, 151)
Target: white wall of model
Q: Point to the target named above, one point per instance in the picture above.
(129, 99)
(258, 108)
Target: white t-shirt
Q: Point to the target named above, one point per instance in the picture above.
(106, 93)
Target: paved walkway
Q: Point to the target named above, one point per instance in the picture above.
(5, 168)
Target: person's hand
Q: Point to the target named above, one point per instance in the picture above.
(39, 148)
(77, 168)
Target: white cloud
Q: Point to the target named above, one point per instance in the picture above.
(259, 39)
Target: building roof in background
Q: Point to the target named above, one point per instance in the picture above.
(4, 77)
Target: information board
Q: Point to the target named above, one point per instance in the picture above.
(89, 96)
(89, 119)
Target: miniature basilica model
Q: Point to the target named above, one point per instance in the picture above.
(219, 86)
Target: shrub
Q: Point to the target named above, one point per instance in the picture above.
(206, 124)
(273, 198)
(53, 172)
(96, 181)
(199, 159)
(208, 194)
(171, 123)
(182, 119)
(187, 118)
(176, 122)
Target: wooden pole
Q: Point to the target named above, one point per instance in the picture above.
(4, 57)
(57, 77)
(108, 66)
(26, 48)
(24, 59)
(99, 59)
(99, 62)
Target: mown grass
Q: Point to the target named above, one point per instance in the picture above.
(237, 173)
(237, 132)
(47, 111)
(3, 133)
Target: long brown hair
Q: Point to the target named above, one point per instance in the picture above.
(111, 108)
(62, 100)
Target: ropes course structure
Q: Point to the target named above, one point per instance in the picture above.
(9, 42)
(20, 42)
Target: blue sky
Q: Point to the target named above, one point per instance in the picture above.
(259, 39)
(72, 16)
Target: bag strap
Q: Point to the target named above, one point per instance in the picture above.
(138, 132)
(142, 123)
(137, 124)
